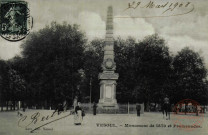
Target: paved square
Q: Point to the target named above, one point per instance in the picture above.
(101, 124)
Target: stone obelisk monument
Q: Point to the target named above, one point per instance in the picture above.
(108, 77)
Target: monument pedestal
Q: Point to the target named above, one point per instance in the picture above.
(108, 90)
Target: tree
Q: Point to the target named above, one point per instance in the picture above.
(152, 69)
(16, 86)
(4, 84)
(92, 67)
(125, 66)
(190, 76)
(52, 57)
(17, 72)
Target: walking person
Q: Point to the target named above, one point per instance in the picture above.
(78, 115)
(94, 108)
(166, 107)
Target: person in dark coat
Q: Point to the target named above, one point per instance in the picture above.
(138, 108)
(94, 108)
(166, 107)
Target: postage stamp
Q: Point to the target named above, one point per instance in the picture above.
(15, 20)
(185, 114)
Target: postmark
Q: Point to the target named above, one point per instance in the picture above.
(188, 115)
(15, 20)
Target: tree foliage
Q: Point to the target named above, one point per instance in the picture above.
(4, 81)
(53, 57)
(190, 76)
(92, 67)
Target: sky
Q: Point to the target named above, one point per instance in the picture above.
(180, 26)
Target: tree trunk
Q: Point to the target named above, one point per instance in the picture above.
(45, 104)
(23, 106)
(7, 106)
(147, 107)
(2, 106)
(14, 105)
(10, 105)
(186, 108)
(155, 106)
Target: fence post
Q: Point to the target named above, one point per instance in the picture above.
(128, 107)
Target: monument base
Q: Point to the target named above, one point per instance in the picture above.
(108, 105)
(108, 90)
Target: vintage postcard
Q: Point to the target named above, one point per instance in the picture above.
(103, 67)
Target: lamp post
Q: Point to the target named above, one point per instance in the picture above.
(90, 90)
(82, 74)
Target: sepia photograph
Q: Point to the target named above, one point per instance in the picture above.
(103, 67)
